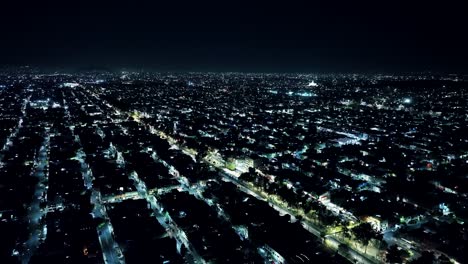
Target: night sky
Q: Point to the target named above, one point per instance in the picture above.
(292, 36)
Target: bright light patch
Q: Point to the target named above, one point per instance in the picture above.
(305, 94)
(70, 85)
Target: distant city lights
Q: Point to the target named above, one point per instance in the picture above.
(70, 85)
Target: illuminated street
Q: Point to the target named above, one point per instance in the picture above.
(122, 167)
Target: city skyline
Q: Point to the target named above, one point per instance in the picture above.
(231, 132)
(194, 168)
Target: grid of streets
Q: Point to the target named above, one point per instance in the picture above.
(233, 168)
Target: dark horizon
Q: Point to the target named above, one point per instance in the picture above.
(41, 69)
(360, 37)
